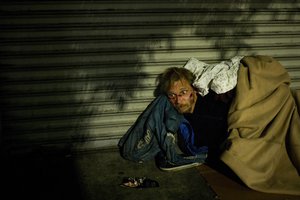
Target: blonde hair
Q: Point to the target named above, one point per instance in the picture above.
(171, 75)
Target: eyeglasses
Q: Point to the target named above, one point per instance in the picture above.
(182, 93)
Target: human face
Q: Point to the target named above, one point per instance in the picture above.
(182, 96)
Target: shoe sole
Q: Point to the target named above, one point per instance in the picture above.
(178, 168)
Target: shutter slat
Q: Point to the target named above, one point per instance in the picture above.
(81, 72)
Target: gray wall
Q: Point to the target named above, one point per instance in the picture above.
(76, 74)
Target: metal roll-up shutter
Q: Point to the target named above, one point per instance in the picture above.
(77, 74)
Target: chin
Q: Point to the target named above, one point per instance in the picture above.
(183, 111)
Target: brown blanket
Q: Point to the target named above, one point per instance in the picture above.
(264, 127)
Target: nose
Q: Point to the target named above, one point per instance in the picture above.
(178, 99)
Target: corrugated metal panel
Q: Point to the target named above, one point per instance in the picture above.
(78, 73)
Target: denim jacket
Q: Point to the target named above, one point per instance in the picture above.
(153, 132)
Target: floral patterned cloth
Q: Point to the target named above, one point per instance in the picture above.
(220, 78)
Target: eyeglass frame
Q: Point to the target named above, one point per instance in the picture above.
(182, 93)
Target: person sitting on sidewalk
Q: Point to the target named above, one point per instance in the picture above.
(200, 122)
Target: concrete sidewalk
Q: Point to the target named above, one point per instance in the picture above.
(96, 176)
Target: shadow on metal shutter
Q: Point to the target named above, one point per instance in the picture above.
(76, 74)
